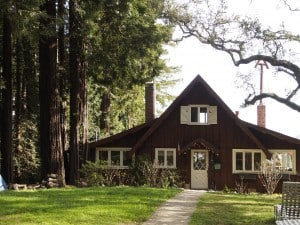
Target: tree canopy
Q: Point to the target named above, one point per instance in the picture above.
(66, 67)
(245, 39)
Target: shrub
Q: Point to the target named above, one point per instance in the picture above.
(145, 172)
(170, 178)
(92, 173)
(142, 171)
(270, 175)
(241, 187)
(99, 174)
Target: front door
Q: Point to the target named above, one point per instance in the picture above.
(199, 167)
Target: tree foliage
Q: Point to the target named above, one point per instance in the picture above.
(245, 39)
(126, 47)
(56, 55)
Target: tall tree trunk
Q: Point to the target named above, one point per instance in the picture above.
(19, 107)
(63, 77)
(61, 33)
(78, 93)
(6, 126)
(105, 110)
(50, 124)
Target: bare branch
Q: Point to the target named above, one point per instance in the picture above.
(285, 101)
(293, 93)
(290, 7)
(287, 65)
(245, 40)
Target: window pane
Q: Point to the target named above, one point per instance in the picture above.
(257, 160)
(284, 161)
(239, 161)
(170, 157)
(203, 115)
(103, 156)
(287, 161)
(115, 158)
(194, 114)
(199, 161)
(248, 161)
(161, 158)
(126, 158)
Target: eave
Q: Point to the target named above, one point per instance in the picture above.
(123, 134)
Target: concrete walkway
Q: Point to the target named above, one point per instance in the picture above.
(177, 210)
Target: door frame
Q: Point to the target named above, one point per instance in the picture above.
(207, 167)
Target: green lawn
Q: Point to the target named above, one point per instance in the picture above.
(219, 208)
(105, 205)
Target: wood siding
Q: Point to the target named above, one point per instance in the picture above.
(229, 133)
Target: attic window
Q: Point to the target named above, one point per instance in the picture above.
(198, 115)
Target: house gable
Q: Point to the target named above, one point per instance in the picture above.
(198, 89)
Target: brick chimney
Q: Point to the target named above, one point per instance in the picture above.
(261, 115)
(150, 99)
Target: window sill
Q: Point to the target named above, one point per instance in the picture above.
(165, 167)
(255, 173)
(118, 167)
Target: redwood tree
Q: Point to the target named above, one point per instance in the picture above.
(50, 125)
(78, 91)
(6, 106)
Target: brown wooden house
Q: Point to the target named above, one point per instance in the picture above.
(199, 135)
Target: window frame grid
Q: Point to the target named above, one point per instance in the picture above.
(166, 150)
(244, 151)
(109, 150)
(263, 157)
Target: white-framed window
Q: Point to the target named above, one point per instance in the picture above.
(198, 114)
(246, 160)
(249, 160)
(285, 160)
(165, 157)
(114, 157)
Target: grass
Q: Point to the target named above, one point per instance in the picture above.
(216, 208)
(105, 205)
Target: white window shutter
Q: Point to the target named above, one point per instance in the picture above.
(185, 115)
(212, 115)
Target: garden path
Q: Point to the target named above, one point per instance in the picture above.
(177, 210)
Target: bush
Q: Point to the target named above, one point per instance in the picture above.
(241, 187)
(141, 172)
(270, 175)
(145, 172)
(92, 173)
(99, 174)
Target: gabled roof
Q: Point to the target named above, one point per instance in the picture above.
(145, 130)
(278, 135)
(176, 103)
(132, 131)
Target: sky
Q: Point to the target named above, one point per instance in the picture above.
(217, 69)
